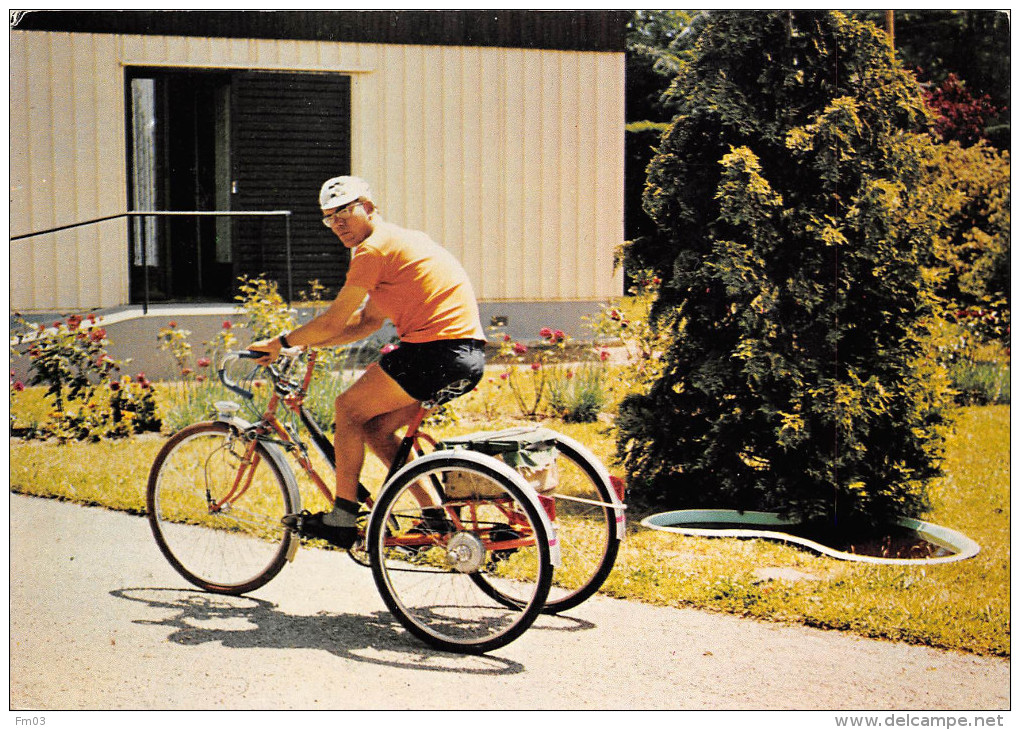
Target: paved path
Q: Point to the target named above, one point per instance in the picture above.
(100, 621)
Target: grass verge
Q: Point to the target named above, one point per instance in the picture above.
(962, 606)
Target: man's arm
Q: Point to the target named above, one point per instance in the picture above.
(360, 325)
(340, 320)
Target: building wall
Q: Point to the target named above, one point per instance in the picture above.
(512, 158)
(67, 164)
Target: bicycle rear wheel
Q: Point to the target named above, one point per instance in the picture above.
(427, 570)
(585, 518)
(586, 526)
(215, 501)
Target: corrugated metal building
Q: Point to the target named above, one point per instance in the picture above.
(500, 133)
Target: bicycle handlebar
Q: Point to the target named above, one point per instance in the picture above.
(275, 373)
(227, 382)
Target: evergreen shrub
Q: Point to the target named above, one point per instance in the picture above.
(793, 191)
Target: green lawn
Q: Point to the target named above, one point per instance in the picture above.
(962, 605)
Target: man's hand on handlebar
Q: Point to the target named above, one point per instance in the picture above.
(271, 347)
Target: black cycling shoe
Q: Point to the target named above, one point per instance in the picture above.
(503, 533)
(311, 525)
(434, 522)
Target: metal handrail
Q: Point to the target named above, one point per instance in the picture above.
(170, 213)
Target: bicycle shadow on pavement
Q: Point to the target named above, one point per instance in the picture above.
(242, 622)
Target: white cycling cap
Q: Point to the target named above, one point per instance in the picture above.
(342, 190)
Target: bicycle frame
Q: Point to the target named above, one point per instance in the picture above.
(291, 394)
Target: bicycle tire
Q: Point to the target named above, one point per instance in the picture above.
(233, 550)
(586, 531)
(430, 587)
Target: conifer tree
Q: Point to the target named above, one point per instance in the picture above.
(792, 192)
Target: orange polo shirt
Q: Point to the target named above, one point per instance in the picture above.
(419, 285)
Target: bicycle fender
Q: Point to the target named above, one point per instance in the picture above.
(619, 508)
(279, 460)
(498, 466)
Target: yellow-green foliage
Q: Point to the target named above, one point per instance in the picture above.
(792, 192)
(973, 248)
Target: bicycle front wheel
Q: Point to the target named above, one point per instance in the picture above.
(215, 501)
(433, 568)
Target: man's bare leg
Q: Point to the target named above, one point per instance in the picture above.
(381, 432)
(374, 394)
(384, 442)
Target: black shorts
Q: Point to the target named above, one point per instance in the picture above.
(437, 371)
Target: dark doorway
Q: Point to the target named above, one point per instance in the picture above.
(232, 141)
(179, 162)
(290, 133)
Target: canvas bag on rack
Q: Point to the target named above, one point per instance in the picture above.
(530, 451)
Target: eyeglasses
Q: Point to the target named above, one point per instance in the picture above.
(342, 213)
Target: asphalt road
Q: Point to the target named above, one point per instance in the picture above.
(100, 621)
